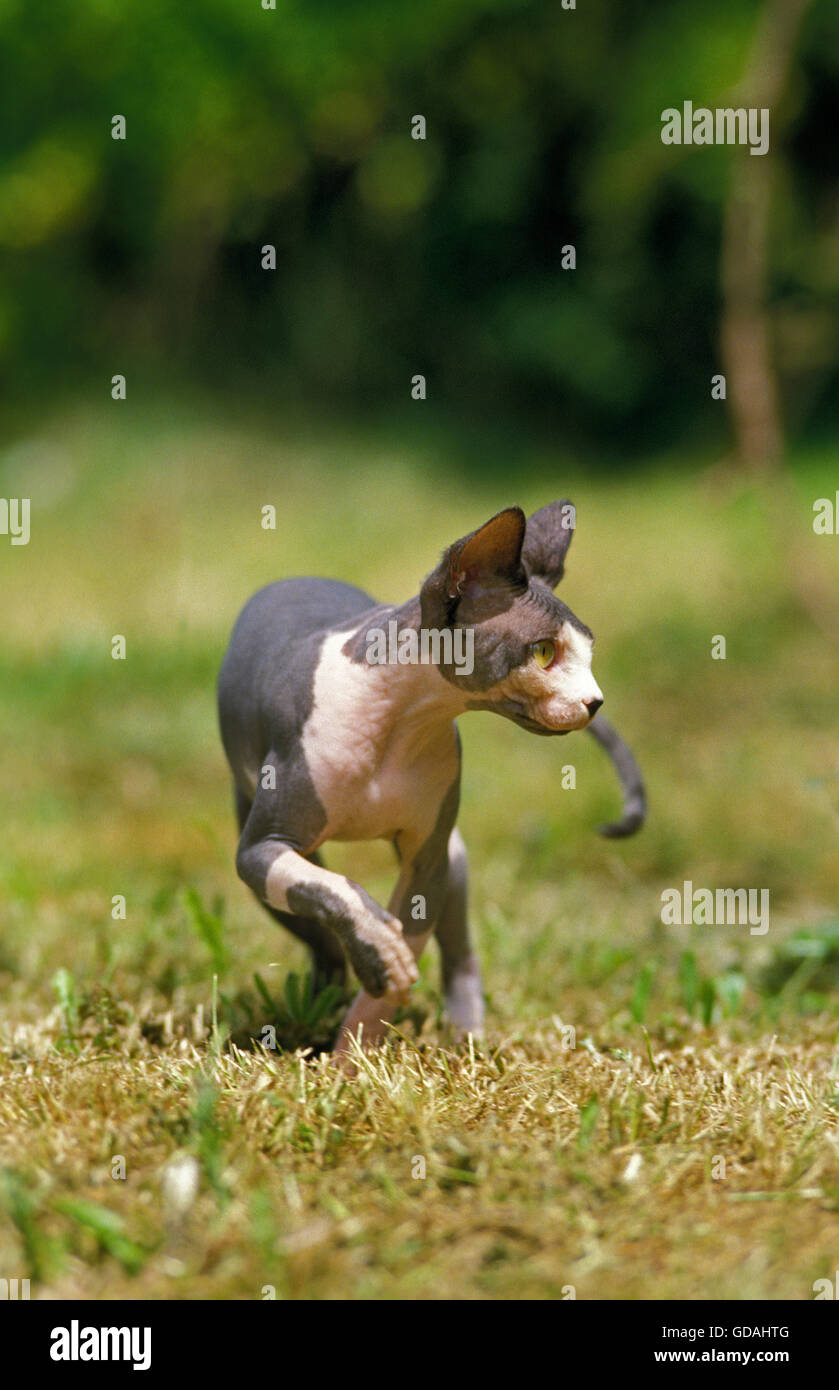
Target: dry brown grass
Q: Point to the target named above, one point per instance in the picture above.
(546, 1169)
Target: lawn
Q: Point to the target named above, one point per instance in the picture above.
(654, 1111)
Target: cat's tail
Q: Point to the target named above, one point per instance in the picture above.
(632, 783)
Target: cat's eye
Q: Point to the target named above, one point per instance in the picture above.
(544, 653)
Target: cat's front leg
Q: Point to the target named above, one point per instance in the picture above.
(418, 900)
(368, 1018)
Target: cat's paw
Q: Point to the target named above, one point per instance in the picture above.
(382, 958)
(465, 999)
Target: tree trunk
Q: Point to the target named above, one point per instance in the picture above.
(752, 389)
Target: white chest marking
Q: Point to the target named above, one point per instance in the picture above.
(380, 754)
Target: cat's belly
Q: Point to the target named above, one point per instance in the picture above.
(385, 802)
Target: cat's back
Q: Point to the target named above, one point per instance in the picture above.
(292, 608)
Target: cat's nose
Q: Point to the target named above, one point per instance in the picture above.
(592, 706)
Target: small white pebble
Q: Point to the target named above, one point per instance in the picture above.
(632, 1168)
(179, 1182)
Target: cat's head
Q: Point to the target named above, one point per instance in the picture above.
(532, 656)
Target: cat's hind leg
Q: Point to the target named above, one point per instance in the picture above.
(461, 972)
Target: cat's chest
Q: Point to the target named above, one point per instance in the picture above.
(376, 770)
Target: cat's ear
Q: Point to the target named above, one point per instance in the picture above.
(489, 558)
(546, 541)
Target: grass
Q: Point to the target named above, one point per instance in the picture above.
(653, 1113)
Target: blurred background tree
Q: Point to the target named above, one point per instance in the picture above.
(291, 127)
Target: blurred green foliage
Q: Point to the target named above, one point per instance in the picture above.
(291, 127)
